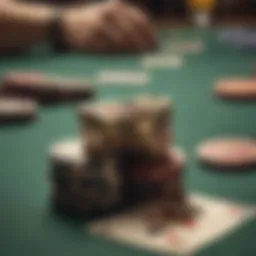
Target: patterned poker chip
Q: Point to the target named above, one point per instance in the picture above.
(12, 109)
(228, 152)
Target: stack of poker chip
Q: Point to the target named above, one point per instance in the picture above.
(141, 126)
(155, 178)
(124, 157)
(76, 187)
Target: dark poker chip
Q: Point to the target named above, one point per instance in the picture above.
(148, 181)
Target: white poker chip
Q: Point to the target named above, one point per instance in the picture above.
(153, 102)
(191, 46)
(69, 85)
(103, 110)
(123, 77)
(162, 61)
(13, 107)
(70, 151)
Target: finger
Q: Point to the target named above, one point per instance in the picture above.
(85, 40)
(111, 34)
(105, 38)
(123, 27)
(139, 32)
(96, 43)
(115, 3)
(144, 28)
(127, 29)
(116, 30)
(99, 36)
(113, 38)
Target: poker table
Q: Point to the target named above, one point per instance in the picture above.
(28, 224)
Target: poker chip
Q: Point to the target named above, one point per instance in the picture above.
(15, 109)
(191, 46)
(228, 152)
(243, 89)
(43, 88)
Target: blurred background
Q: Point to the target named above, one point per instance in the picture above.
(179, 8)
(229, 12)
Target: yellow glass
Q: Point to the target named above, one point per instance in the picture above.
(202, 5)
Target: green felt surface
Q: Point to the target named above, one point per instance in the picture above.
(29, 227)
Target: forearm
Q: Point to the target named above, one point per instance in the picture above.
(23, 25)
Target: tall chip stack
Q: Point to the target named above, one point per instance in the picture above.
(126, 147)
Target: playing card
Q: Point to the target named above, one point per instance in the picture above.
(122, 78)
(215, 219)
(162, 62)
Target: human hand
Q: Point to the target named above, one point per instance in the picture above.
(108, 27)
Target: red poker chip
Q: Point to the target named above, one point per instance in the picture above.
(21, 78)
(237, 88)
(43, 88)
(228, 152)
